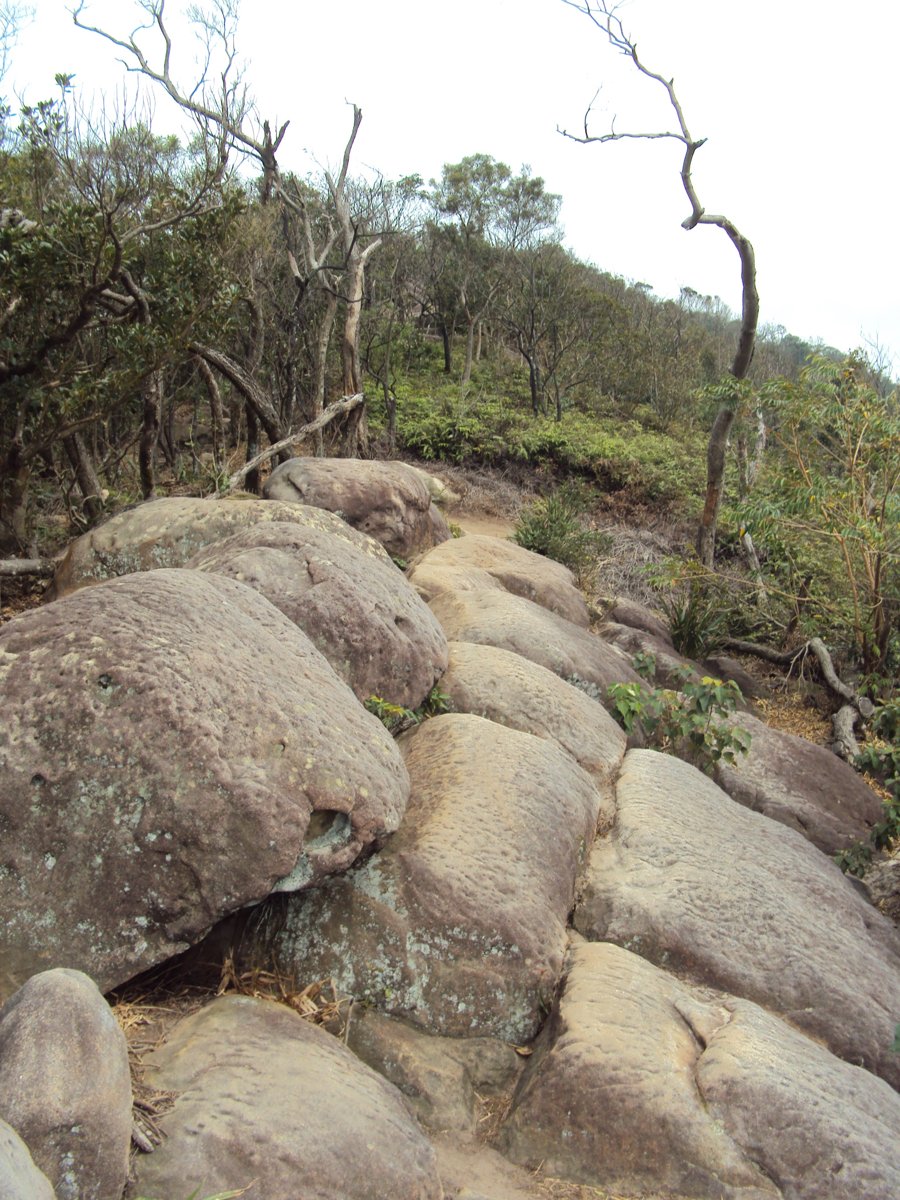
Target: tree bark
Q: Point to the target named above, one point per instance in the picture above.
(151, 399)
(85, 476)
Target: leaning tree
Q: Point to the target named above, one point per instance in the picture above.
(604, 15)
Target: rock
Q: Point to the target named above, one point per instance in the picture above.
(20, 1179)
(509, 622)
(266, 1098)
(520, 571)
(386, 500)
(440, 1077)
(726, 897)
(802, 785)
(173, 749)
(432, 579)
(882, 882)
(725, 667)
(359, 611)
(459, 923)
(167, 532)
(638, 616)
(509, 689)
(670, 667)
(643, 1083)
(438, 489)
(65, 1084)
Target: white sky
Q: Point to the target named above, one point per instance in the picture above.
(798, 100)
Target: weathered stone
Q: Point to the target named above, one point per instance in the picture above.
(882, 883)
(65, 1084)
(432, 579)
(802, 785)
(638, 616)
(670, 666)
(167, 738)
(724, 896)
(492, 618)
(459, 923)
(520, 571)
(361, 612)
(509, 689)
(642, 1083)
(167, 532)
(265, 1098)
(386, 500)
(439, 1077)
(725, 667)
(20, 1179)
(438, 489)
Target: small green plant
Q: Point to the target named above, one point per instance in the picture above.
(395, 718)
(697, 617)
(687, 722)
(882, 758)
(555, 527)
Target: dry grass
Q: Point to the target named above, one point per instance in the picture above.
(318, 1002)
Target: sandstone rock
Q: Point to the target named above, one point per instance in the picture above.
(641, 1082)
(386, 500)
(167, 532)
(440, 1077)
(269, 1099)
(438, 489)
(509, 689)
(722, 666)
(520, 571)
(882, 883)
(513, 623)
(804, 786)
(20, 1179)
(360, 612)
(65, 1084)
(431, 579)
(726, 897)
(670, 666)
(638, 616)
(173, 748)
(459, 923)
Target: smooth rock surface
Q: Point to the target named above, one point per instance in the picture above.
(700, 885)
(20, 1179)
(509, 689)
(269, 1099)
(804, 786)
(359, 611)
(168, 737)
(169, 531)
(520, 571)
(638, 616)
(65, 1084)
(492, 618)
(387, 500)
(459, 923)
(641, 1082)
(670, 666)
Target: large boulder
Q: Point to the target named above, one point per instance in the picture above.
(20, 1179)
(670, 668)
(361, 612)
(459, 923)
(386, 500)
(65, 1084)
(511, 690)
(173, 748)
(266, 1099)
(637, 616)
(520, 571)
(167, 532)
(802, 785)
(642, 1084)
(703, 886)
(494, 618)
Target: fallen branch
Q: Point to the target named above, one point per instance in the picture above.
(845, 744)
(15, 568)
(335, 409)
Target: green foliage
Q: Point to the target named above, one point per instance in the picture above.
(687, 722)
(556, 527)
(697, 616)
(881, 757)
(395, 718)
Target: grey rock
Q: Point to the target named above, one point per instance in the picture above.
(20, 1179)
(175, 748)
(386, 500)
(65, 1084)
(359, 611)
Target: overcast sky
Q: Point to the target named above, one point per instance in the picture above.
(797, 98)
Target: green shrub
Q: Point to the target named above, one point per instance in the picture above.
(882, 759)
(395, 718)
(556, 527)
(685, 722)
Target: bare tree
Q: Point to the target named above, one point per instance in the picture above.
(604, 15)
